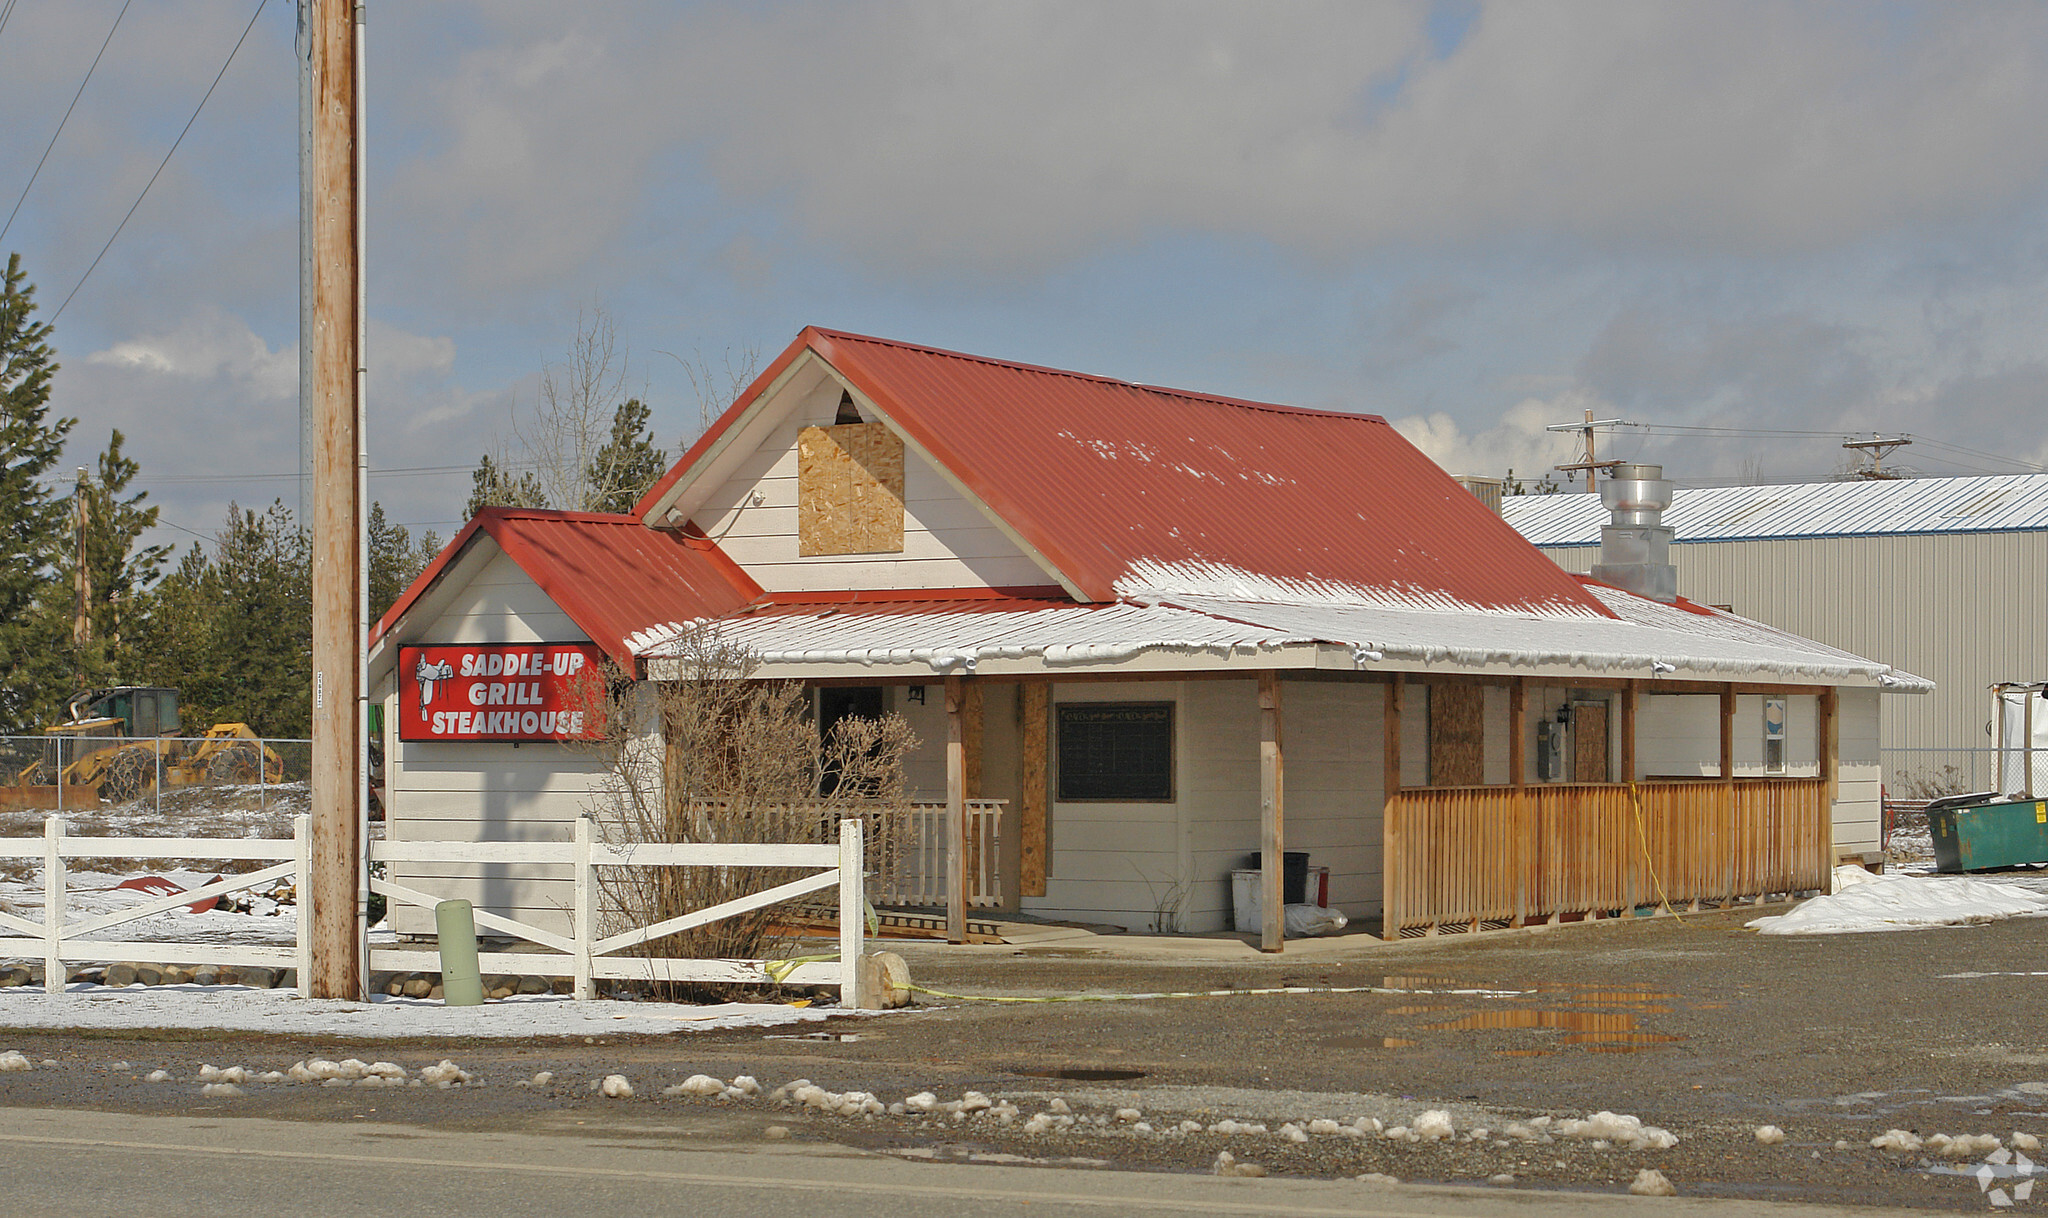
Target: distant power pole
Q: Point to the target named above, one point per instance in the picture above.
(334, 295)
(81, 580)
(1589, 456)
(1879, 448)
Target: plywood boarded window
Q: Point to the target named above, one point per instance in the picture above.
(1457, 735)
(1591, 744)
(849, 490)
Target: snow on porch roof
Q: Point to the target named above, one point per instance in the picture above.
(611, 575)
(1125, 488)
(1643, 639)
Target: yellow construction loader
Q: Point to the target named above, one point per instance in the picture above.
(121, 742)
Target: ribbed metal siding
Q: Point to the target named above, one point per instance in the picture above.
(1964, 611)
(2001, 503)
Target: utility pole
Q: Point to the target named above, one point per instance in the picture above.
(81, 581)
(334, 292)
(1589, 458)
(1879, 448)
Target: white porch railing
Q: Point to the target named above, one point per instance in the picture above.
(58, 940)
(585, 955)
(915, 874)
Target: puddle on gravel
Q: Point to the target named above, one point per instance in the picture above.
(1597, 1019)
(1369, 1042)
(1084, 1074)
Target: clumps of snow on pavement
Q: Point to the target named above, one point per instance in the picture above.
(239, 1009)
(12, 1060)
(1863, 902)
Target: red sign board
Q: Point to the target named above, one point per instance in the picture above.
(500, 691)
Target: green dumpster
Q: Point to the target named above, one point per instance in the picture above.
(1982, 836)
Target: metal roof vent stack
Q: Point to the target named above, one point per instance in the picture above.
(1635, 546)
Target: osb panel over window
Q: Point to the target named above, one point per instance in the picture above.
(849, 490)
(1457, 735)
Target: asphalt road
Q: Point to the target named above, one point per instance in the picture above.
(1693, 1025)
(89, 1163)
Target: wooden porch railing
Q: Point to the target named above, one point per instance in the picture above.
(916, 876)
(906, 846)
(1465, 856)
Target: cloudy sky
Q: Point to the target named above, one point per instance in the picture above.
(1474, 219)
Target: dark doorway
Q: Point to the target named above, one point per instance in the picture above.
(838, 702)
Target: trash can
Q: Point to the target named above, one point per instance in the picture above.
(1293, 874)
(1979, 836)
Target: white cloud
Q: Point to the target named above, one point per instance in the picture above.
(210, 345)
(1517, 441)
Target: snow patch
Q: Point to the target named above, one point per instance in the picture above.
(1904, 902)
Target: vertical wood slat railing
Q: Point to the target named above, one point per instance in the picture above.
(1464, 856)
(915, 875)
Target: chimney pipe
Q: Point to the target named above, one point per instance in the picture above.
(1635, 545)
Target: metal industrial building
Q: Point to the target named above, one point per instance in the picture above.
(1943, 577)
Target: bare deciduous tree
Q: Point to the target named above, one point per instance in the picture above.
(717, 387)
(718, 756)
(579, 396)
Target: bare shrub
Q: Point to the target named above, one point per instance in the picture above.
(736, 760)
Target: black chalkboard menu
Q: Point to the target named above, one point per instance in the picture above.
(1116, 750)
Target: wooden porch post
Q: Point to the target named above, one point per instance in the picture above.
(956, 813)
(1390, 828)
(1518, 766)
(1272, 827)
(1830, 766)
(1628, 732)
(1728, 733)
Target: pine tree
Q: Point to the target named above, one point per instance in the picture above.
(493, 486)
(34, 652)
(118, 572)
(627, 465)
(395, 559)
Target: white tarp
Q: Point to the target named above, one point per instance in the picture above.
(2022, 740)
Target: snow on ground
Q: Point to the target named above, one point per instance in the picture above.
(240, 1009)
(1864, 902)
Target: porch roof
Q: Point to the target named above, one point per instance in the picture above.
(1192, 634)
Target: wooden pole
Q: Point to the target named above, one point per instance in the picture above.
(1628, 732)
(1390, 817)
(1728, 733)
(1272, 817)
(1830, 763)
(956, 812)
(336, 286)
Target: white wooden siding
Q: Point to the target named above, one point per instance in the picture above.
(1859, 775)
(488, 791)
(947, 541)
(1678, 736)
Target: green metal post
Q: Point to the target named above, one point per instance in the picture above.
(462, 982)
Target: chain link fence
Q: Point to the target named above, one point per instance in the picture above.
(1918, 775)
(86, 775)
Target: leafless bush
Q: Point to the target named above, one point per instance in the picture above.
(737, 760)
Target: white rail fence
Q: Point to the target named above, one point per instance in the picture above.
(58, 940)
(587, 956)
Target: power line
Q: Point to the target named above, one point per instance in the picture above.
(167, 156)
(67, 116)
(5, 13)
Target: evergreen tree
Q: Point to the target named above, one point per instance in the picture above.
(34, 655)
(493, 486)
(118, 573)
(395, 559)
(233, 630)
(628, 464)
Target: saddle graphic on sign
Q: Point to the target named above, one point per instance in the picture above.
(502, 691)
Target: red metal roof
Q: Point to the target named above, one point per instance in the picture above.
(1118, 483)
(612, 575)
